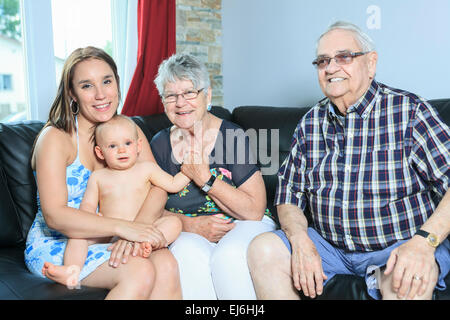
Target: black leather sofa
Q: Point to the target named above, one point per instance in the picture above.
(18, 194)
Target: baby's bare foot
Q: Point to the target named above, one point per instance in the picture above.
(66, 275)
(145, 250)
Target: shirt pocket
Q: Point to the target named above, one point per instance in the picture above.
(385, 173)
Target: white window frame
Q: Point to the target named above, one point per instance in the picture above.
(125, 41)
(39, 57)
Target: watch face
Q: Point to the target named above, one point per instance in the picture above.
(433, 240)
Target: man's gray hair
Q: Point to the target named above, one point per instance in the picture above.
(363, 39)
(182, 66)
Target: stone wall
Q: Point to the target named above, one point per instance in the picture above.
(199, 32)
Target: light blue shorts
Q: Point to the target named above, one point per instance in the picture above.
(365, 264)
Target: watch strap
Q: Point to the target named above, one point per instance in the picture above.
(432, 239)
(422, 233)
(208, 185)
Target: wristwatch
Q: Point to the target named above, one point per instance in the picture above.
(432, 239)
(208, 185)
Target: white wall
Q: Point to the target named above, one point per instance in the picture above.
(268, 46)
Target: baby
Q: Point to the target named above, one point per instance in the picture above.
(118, 191)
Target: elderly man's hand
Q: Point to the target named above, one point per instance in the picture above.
(307, 271)
(412, 265)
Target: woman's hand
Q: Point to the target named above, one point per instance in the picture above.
(120, 252)
(141, 232)
(135, 233)
(196, 167)
(212, 228)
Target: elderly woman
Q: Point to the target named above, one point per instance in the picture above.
(224, 207)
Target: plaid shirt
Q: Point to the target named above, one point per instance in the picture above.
(368, 179)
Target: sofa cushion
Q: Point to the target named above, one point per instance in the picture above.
(17, 283)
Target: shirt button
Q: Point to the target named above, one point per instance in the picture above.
(351, 135)
(348, 167)
(345, 204)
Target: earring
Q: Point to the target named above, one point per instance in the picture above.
(77, 106)
(209, 107)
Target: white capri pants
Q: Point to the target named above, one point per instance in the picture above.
(210, 271)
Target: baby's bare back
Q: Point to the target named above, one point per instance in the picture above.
(122, 192)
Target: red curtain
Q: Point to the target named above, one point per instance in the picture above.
(156, 42)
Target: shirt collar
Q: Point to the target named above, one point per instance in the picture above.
(364, 104)
(334, 113)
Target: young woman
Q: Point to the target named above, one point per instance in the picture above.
(63, 159)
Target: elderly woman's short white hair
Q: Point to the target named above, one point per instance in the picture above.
(365, 42)
(182, 66)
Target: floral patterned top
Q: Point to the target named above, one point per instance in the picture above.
(231, 160)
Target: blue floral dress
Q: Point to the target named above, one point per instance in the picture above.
(47, 245)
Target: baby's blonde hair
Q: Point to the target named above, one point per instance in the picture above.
(117, 118)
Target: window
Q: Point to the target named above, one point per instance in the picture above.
(37, 36)
(12, 75)
(79, 24)
(5, 82)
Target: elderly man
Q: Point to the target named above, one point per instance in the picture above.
(366, 161)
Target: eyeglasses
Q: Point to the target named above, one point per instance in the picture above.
(342, 58)
(187, 95)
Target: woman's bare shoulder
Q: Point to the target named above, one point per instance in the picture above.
(52, 134)
(53, 141)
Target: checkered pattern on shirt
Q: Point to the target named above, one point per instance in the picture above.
(368, 178)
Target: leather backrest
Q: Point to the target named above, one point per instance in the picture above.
(10, 231)
(16, 141)
(271, 131)
(443, 108)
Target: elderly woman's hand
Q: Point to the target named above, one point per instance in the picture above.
(196, 167)
(212, 228)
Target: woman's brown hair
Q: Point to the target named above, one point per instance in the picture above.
(62, 115)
